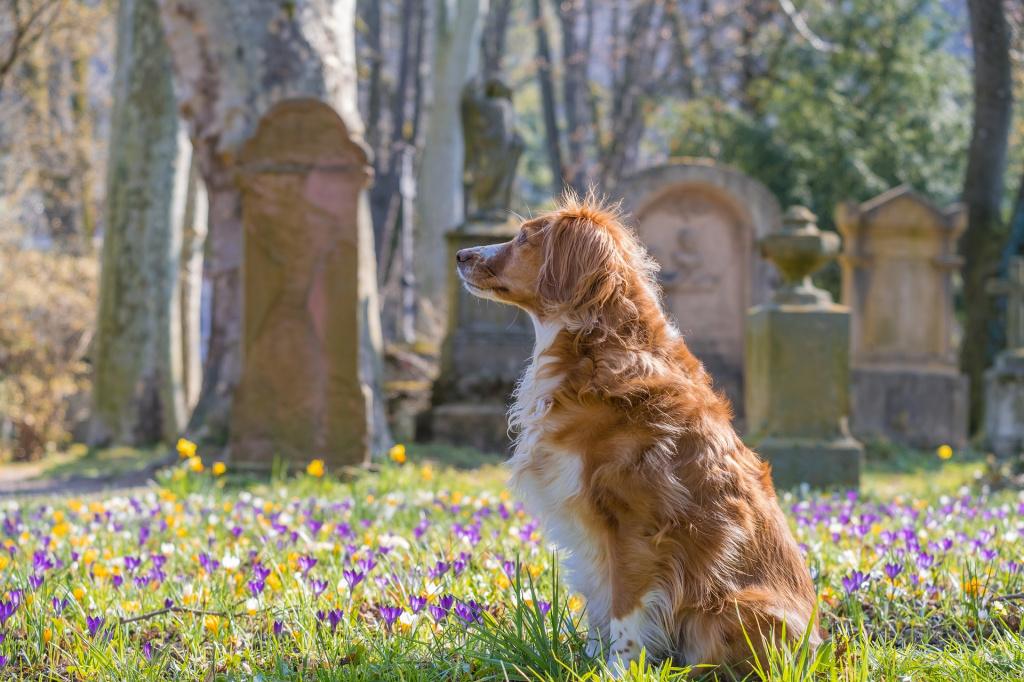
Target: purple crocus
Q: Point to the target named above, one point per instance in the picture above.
(417, 603)
(94, 624)
(278, 628)
(306, 564)
(317, 586)
(892, 570)
(543, 607)
(59, 605)
(132, 563)
(469, 611)
(147, 651)
(390, 614)
(353, 578)
(854, 582)
(257, 586)
(7, 609)
(334, 618)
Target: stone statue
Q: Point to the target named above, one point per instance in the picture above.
(492, 149)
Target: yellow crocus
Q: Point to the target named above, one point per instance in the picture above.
(186, 448)
(316, 468)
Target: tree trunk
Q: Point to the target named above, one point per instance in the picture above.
(232, 62)
(138, 395)
(984, 185)
(193, 244)
(575, 81)
(548, 102)
(439, 195)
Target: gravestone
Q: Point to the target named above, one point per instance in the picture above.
(1004, 382)
(701, 222)
(303, 392)
(486, 345)
(898, 265)
(797, 349)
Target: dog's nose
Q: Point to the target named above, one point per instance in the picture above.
(465, 255)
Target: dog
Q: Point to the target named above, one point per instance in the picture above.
(668, 524)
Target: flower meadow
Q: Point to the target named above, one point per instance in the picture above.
(421, 572)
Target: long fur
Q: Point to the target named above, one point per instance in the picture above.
(669, 523)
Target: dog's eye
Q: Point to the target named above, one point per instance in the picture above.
(523, 238)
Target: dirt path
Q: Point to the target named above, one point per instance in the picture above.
(30, 480)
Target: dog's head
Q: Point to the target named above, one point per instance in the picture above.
(575, 263)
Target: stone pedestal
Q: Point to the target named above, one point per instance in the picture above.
(1004, 404)
(898, 264)
(797, 361)
(798, 397)
(484, 352)
(919, 408)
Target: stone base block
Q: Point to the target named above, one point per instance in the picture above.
(483, 426)
(820, 464)
(1004, 404)
(919, 409)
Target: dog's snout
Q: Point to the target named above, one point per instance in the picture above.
(465, 255)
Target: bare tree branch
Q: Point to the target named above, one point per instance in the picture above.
(797, 21)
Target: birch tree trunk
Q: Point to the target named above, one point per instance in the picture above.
(233, 61)
(193, 243)
(439, 197)
(138, 397)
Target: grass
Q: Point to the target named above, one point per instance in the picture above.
(205, 577)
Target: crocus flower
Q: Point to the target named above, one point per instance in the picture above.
(416, 603)
(317, 586)
(306, 564)
(94, 624)
(59, 605)
(7, 609)
(390, 614)
(854, 582)
(892, 570)
(353, 578)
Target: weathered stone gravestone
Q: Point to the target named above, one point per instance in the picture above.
(1004, 382)
(701, 222)
(486, 345)
(898, 263)
(797, 349)
(305, 388)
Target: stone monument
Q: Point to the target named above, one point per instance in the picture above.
(486, 346)
(797, 351)
(898, 263)
(304, 391)
(701, 222)
(1004, 382)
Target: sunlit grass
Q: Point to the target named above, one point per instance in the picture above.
(422, 571)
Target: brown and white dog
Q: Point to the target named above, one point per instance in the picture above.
(669, 524)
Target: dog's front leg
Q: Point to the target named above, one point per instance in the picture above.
(639, 613)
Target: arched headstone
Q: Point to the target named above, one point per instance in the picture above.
(899, 258)
(701, 222)
(302, 394)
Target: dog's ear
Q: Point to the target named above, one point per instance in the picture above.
(582, 270)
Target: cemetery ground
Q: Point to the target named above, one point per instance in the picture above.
(422, 570)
